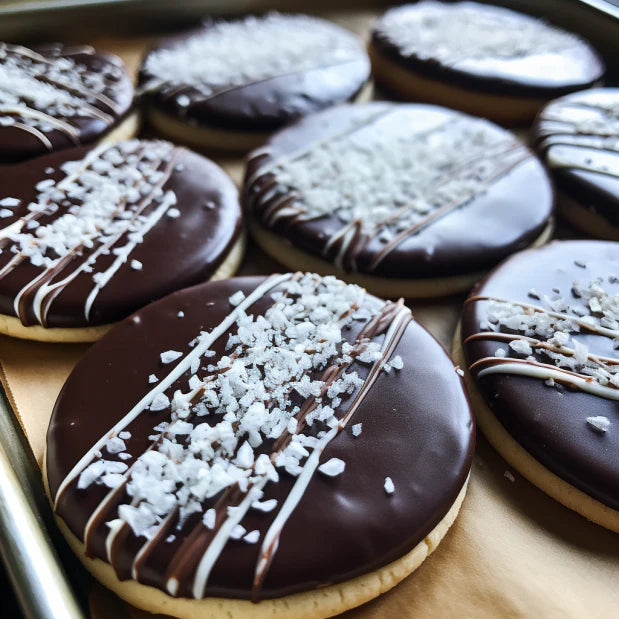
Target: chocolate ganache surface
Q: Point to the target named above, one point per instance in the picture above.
(255, 73)
(486, 48)
(540, 335)
(399, 190)
(311, 433)
(578, 136)
(88, 236)
(55, 96)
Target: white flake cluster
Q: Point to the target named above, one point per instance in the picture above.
(34, 88)
(97, 203)
(247, 50)
(251, 394)
(455, 33)
(588, 308)
(393, 181)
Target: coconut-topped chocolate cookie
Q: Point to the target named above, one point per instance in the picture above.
(89, 236)
(578, 137)
(410, 200)
(540, 339)
(55, 96)
(482, 59)
(231, 83)
(284, 446)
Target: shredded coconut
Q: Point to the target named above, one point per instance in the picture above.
(389, 485)
(599, 424)
(170, 355)
(332, 467)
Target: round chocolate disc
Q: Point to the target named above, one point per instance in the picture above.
(540, 336)
(578, 136)
(217, 437)
(54, 97)
(399, 191)
(88, 236)
(486, 48)
(255, 73)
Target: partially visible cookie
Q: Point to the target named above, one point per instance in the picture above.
(88, 236)
(404, 199)
(55, 96)
(539, 341)
(482, 59)
(578, 138)
(290, 447)
(229, 84)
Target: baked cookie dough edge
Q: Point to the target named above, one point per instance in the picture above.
(324, 602)
(386, 287)
(13, 327)
(519, 458)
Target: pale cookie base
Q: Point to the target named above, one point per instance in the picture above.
(412, 86)
(204, 138)
(587, 221)
(127, 129)
(324, 602)
(523, 461)
(12, 326)
(387, 287)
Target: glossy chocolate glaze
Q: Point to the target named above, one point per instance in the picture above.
(572, 69)
(17, 145)
(585, 172)
(417, 429)
(175, 253)
(509, 215)
(266, 104)
(550, 422)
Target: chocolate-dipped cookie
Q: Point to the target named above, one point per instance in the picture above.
(284, 446)
(88, 236)
(54, 97)
(230, 84)
(578, 137)
(540, 343)
(482, 59)
(405, 200)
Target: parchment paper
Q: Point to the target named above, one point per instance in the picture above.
(513, 552)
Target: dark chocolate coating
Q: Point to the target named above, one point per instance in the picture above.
(417, 429)
(17, 145)
(593, 189)
(507, 217)
(175, 253)
(573, 69)
(267, 104)
(550, 422)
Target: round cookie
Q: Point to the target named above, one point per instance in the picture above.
(405, 200)
(88, 236)
(230, 84)
(578, 137)
(538, 337)
(54, 97)
(482, 59)
(219, 447)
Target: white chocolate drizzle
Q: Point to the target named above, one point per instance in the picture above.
(116, 193)
(44, 93)
(539, 338)
(581, 132)
(384, 184)
(295, 347)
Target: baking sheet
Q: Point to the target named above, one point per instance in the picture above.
(513, 552)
